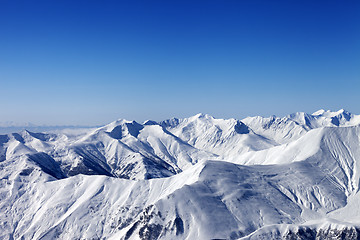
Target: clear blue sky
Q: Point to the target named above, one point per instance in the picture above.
(91, 62)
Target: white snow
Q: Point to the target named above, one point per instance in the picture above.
(192, 178)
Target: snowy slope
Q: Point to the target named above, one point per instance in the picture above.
(194, 178)
(222, 137)
(286, 129)
(213, 200)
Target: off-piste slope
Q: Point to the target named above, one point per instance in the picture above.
(337, 149)
(211, 179)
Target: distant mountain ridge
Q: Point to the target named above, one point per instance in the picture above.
(11, 127)
(193, 178)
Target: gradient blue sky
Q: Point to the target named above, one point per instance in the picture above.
(91, 62)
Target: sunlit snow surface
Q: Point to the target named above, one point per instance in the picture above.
(294, 177)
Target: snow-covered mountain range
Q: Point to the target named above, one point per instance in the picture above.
(294, 177)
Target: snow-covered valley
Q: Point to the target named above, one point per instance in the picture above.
(295, 177)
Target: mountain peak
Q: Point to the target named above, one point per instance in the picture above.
(202, 115)
(329, 113)
(318, 112)
(343, 111)
(120, 121)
